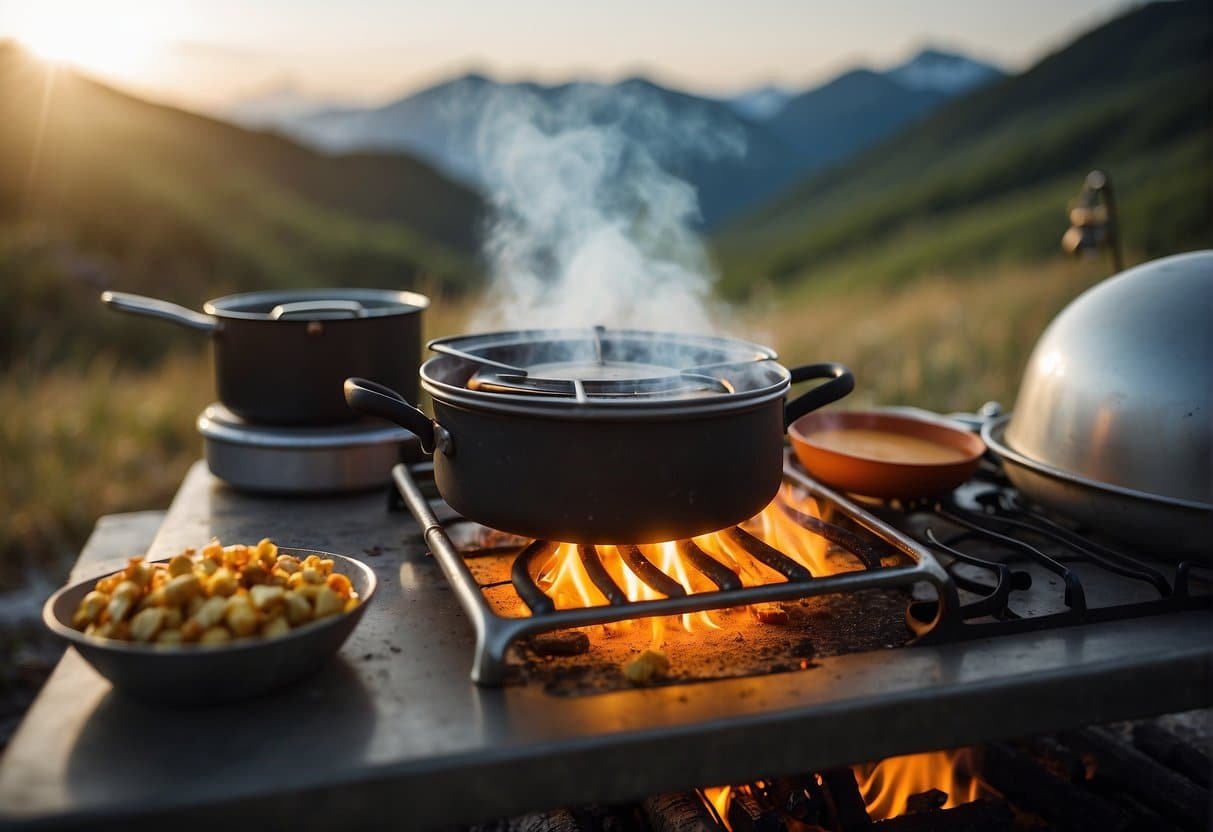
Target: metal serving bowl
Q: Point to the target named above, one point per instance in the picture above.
(197, 675)
(1116, 405)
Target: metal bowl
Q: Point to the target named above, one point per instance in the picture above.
(1118, 392)
(197, 675)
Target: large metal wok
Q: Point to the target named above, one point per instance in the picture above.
(1113, 425)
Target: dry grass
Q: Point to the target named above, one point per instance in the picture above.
(945, 343)
(81, 443)
(78, 444)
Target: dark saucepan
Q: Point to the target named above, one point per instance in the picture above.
(281, 356)
(604, 436)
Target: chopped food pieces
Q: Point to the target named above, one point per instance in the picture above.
(649, 666)
(213, 597)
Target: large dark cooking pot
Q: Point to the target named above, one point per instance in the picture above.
(281, 356)
(604, 436)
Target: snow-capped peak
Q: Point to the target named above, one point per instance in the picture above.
(943, 72)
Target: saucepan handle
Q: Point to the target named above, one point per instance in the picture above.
(155, 308)
(377, 400)
(840, 383)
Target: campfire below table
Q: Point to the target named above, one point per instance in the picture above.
(394, 730)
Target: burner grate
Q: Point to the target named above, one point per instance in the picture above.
(995, 544)
(991, 560)
(495, 634)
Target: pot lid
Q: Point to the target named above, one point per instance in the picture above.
(316, 304)
(576, 369)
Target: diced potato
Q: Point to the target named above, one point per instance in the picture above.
(122, 601)
(240, 617)
(172, 618)
(265, 598)
(287, 563)
(267, 551)
(146, 624)
(276, 626)
(182, 588)
(326, 566)
(210, 613)
(213, 550)
(169, 638)
(90, 607)
(208, 566)
(254, 574)
(215, 635)
(328, 602)
(223, 582)
(180, 565)
(298, 609)
(236, 556)
(193, 605)
(312, 575)
(295, 580)
(138, 572)
(340, 584)
(350, 603)
(646, 667)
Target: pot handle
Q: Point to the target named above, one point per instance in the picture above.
(154, 308)
(318, 309)
(840, 383)
(384, 402)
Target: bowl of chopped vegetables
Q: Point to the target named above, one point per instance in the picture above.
(216, 625)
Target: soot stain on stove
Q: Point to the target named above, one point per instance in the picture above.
(736, 643)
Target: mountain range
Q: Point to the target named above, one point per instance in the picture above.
(984, 179)
(780, 136)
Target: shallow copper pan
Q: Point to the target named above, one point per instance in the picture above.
(883, 478)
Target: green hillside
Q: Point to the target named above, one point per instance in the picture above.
(100, 189)
(985, 180)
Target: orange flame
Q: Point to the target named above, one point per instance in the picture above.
(719, 797)
(887, 785)
(564, 579)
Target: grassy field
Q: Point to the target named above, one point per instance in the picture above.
(104, 437)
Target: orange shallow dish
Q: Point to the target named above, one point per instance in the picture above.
(903, 471)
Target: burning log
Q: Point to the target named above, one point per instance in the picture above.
(799, 798)
(1171, 795)
(927, 801)
(844, 801)
(557, 820)
(978, 816)
(1170, 750)
(679, 812)
(561, 643)
(747, 813)
(1032, 787)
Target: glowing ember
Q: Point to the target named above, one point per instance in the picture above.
(565, 580)
(887, 785)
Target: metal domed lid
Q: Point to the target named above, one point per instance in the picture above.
(1119, 389)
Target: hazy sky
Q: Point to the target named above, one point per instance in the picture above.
(205, 52)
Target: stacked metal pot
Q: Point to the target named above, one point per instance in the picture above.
(280, 357)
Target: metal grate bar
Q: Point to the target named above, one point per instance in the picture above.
(867, 554)
(761, 552)
(709, 567)
(520, 574)
(599, 576)
(652, 577)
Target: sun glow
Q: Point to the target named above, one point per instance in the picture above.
(121, 38)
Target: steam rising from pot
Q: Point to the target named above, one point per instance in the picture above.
(589, 225)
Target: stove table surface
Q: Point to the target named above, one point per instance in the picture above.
(393, 729)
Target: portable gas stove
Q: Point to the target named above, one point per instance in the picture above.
(979, 563)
